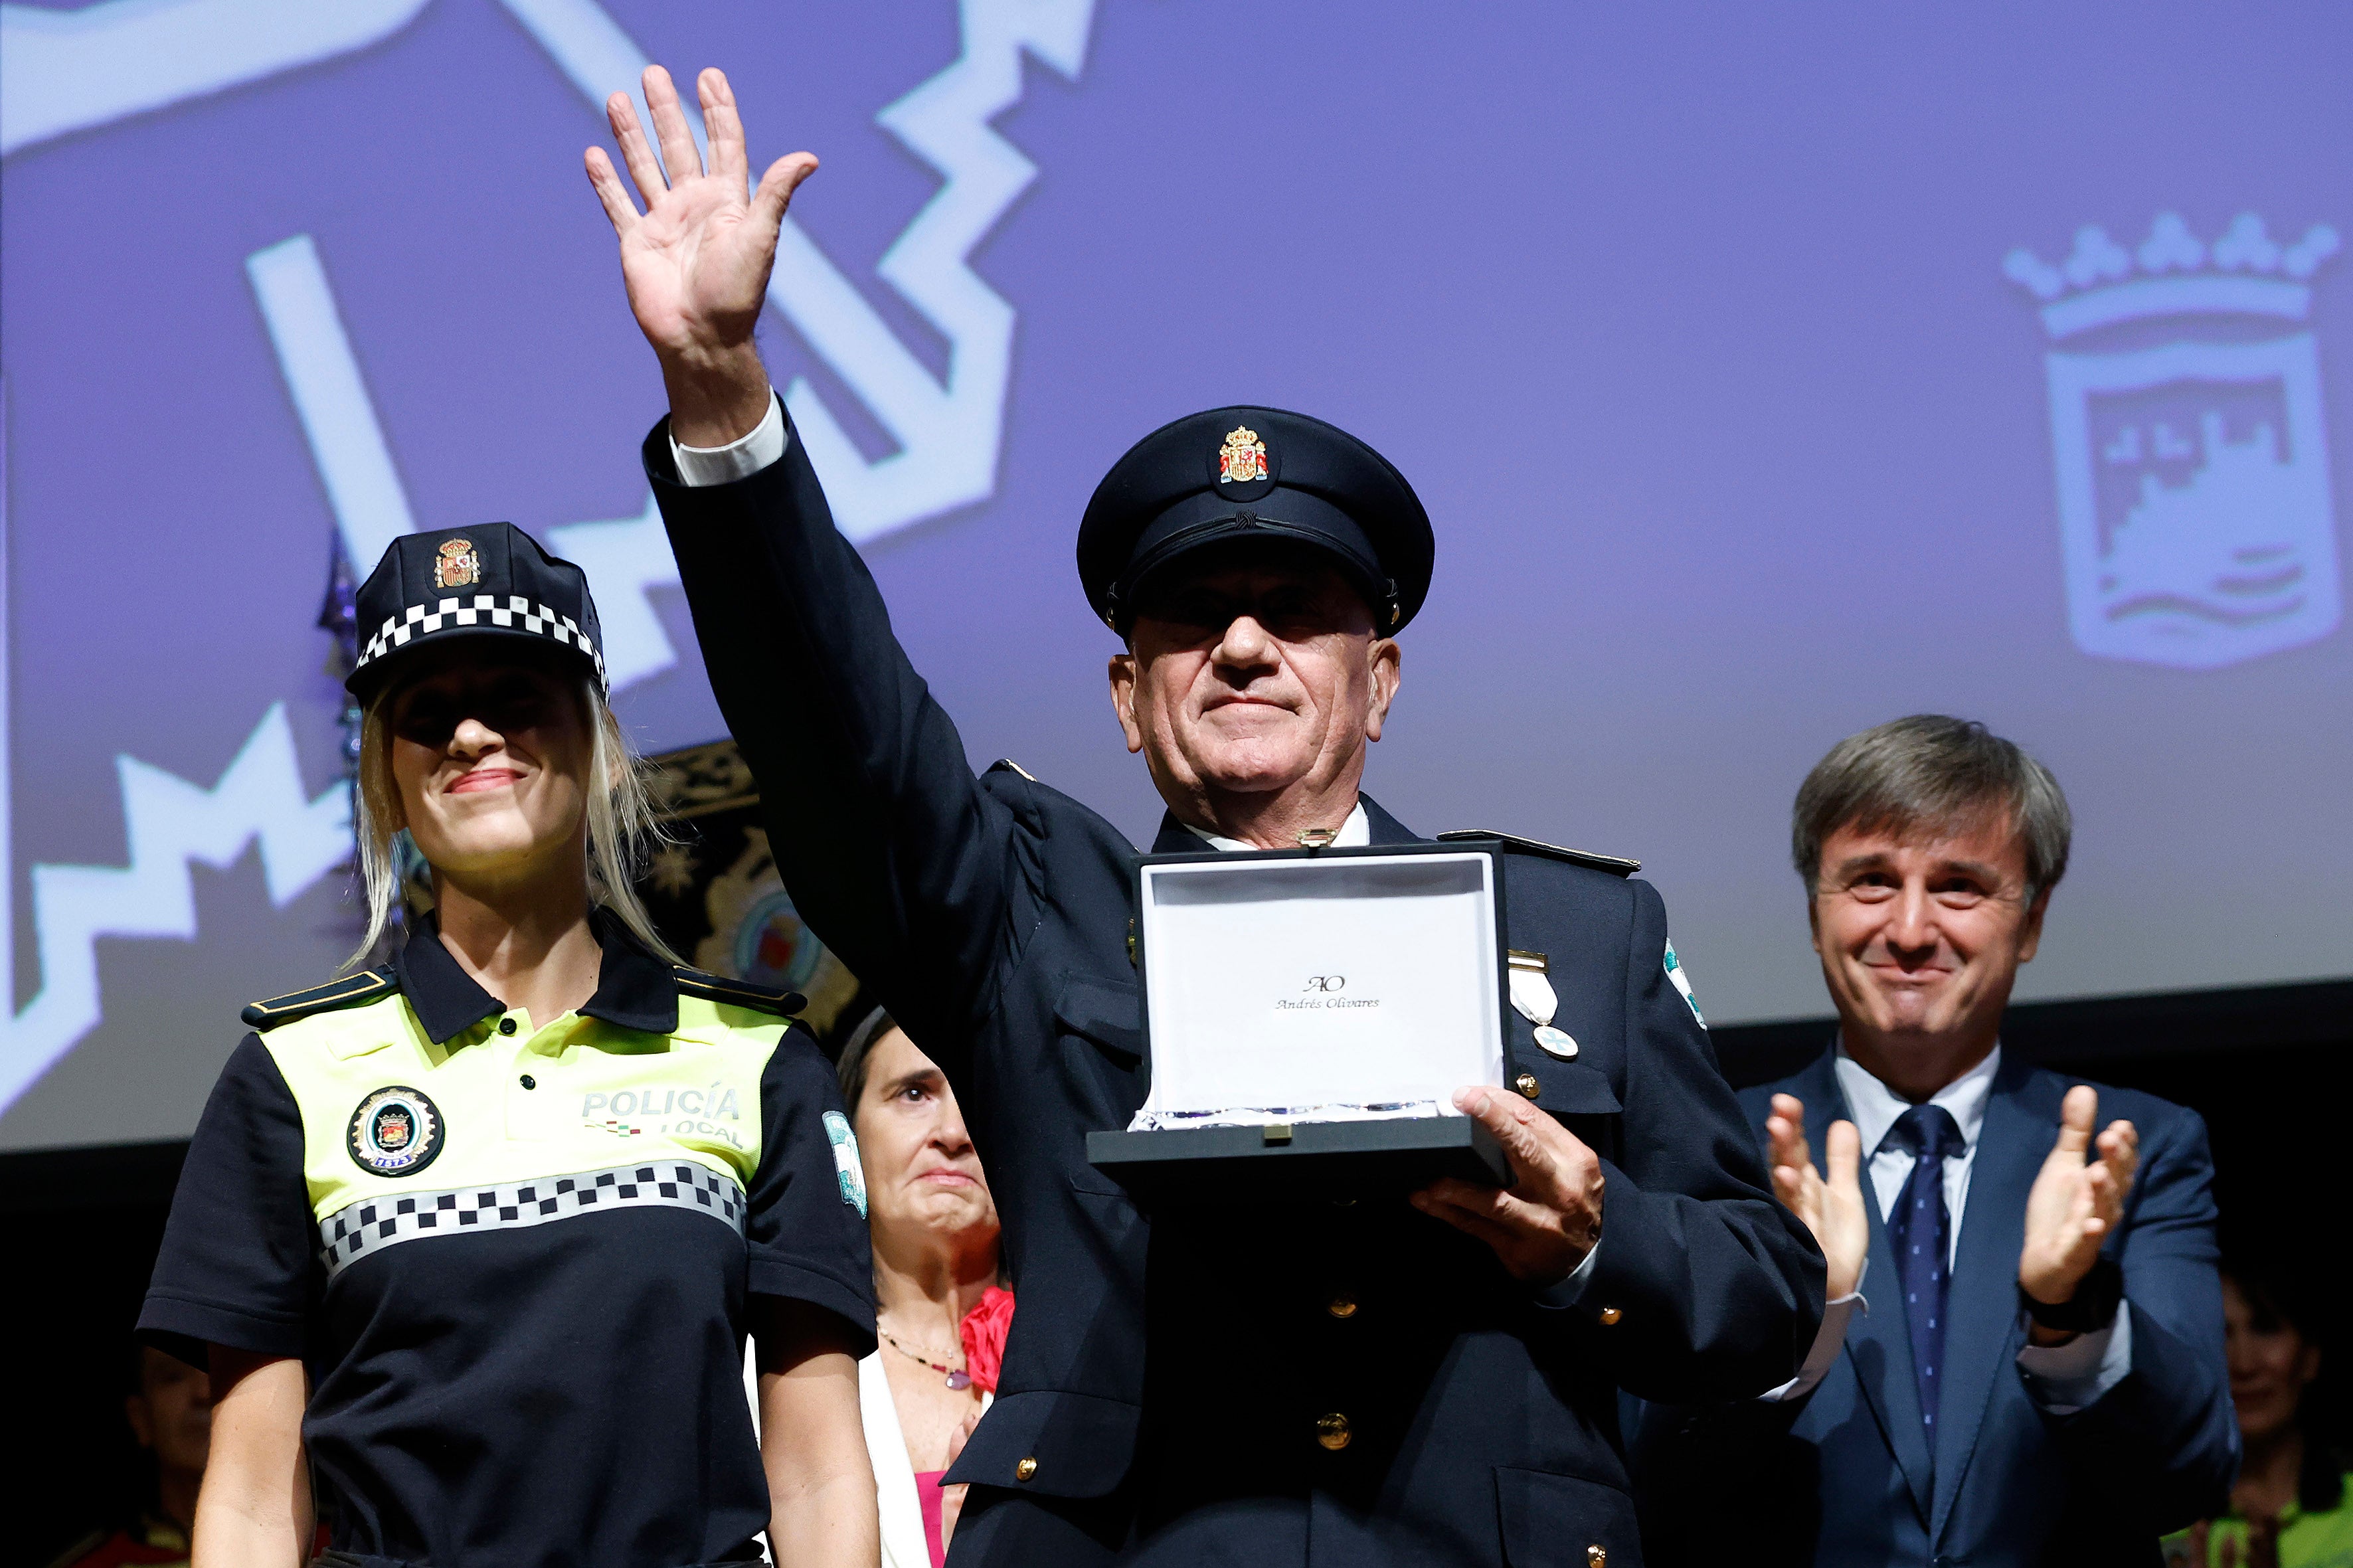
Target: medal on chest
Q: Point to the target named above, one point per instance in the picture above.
(1533, 999)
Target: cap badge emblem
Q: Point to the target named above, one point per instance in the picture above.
(457, 565)
(1242, 458)
(396, 1131)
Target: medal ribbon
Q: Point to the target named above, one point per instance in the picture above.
(1532, 995)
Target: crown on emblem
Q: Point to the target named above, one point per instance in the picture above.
(456, 565)
(1242, 458)
(2245, 270)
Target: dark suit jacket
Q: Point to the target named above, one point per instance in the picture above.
(1165, 1373)
(1846, 1477)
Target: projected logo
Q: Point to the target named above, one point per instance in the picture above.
(63, 71)
(2192, 460)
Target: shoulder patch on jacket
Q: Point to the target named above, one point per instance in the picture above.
(738, 992)
(1007, 765)
(1615, 865)
(350, 991)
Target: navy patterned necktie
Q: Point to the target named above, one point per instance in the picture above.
(1920, 1232)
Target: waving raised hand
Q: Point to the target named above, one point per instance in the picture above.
(696, 262)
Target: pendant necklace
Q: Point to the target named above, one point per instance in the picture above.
(957, 1377)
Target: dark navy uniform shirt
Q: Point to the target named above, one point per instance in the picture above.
(1169, 1386)
(516, 1255)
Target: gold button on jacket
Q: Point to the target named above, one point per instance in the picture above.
(1332, 1431)
(1024, 1469)
(1526, 1083)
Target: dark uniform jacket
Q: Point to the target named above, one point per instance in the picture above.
(1847, 1477)
(1161, 1392)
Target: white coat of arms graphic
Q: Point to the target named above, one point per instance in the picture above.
(2194, 502)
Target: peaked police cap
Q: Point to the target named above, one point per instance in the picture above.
(1247, 474)
(492, 580)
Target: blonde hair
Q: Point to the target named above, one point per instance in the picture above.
(622, 831)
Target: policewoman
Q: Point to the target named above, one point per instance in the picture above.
(1275, 1384)
(471, 1243)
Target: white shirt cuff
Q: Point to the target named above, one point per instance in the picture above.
(1828, 1340)
(1564, 1293)
(741, 458)
(2063, 1379)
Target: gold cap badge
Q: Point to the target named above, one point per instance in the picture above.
(1242, 458)
(457, 566)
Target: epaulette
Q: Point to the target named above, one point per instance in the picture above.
(1007, 765)
(738, 992)
(1615, 865)
(350, 991)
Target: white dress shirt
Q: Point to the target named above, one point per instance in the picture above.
(740, 458)
(1876, 1107)
(1354, 834)
(2062, 1379)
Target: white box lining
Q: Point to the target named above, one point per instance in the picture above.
(1319, 989)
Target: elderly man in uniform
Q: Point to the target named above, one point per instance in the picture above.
(1355, 1384)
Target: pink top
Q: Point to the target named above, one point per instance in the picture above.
(927, 1493)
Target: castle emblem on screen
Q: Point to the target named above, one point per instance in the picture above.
(2196, 518)
(1242, 460)
(457, 564)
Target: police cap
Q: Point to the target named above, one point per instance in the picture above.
(1255, 475)
(489, 581)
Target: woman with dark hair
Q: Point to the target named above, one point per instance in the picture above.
(943, 1309)
(470, 1242)
(2290, 1507)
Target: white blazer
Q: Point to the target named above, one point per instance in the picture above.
(903, 1545)
(902, 1513)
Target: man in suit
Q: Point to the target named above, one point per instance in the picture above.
(1303, 1381)
(2043, 1377)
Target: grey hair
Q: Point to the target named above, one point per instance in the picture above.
(622, 831)
(1929, 772)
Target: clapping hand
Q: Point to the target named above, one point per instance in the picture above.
(696, 262)
(1550, 1217)
(2077, 1199)
(1832, 1206)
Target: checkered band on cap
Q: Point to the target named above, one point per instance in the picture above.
(516, 613)
(372, 1225)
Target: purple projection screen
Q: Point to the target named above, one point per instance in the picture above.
(1768, 373)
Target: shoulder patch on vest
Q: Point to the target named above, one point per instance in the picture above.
(348, 992)
(1615, 865)
(1007, 765)
(738, 992)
